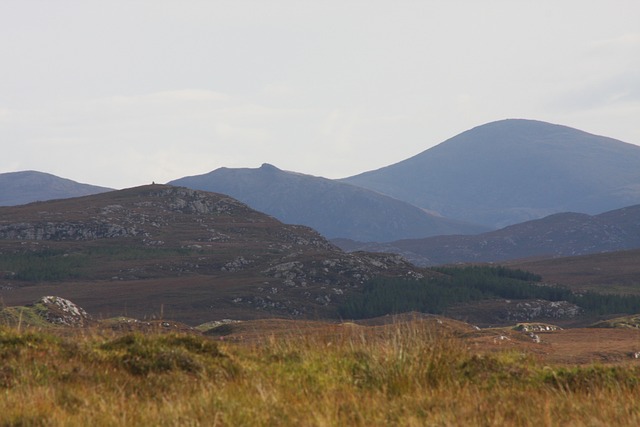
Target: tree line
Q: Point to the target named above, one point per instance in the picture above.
(458, 285)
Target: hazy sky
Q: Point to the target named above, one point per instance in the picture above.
(120, 93)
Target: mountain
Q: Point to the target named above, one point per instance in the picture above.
(17, 188)
(172, 252)
(557, 235)
(514, 170)
(333, 208)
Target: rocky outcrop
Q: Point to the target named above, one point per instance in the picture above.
(188, 201)
(522, 311)
(60, 311)
(531, 314)
(142, 218)
(301, 285)
(66, 231)
(536, 327)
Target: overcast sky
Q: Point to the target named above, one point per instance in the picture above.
(122, 93)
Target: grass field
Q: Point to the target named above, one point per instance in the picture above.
(406, 373)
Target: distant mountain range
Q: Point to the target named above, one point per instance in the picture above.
(497, 174)
(17, 188)
(333, 208)
(558, 235)
(510, 171)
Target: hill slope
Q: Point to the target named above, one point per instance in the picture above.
(511, 171)
(18, 188)
(187, 255)
(564, 234)
(610, 272)
(334, 209)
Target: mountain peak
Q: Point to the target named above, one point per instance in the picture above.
(514, 170)
(269, 167)
(333, 208)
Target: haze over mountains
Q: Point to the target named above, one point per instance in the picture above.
(557, 235)
(497, 174)
(333, 208)
(17, 188)
(510, 171)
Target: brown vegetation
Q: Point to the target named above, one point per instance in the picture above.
(416, 372)
(613, 272)
(161, 251)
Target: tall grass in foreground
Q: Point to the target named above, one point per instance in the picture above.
(409, 374)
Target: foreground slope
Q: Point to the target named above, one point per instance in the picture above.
(184, 254)
(558, 235)
(17, 188)
(334, 209)
(511, 171)
(415, 373)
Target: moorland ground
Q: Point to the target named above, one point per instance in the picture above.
(412, 371)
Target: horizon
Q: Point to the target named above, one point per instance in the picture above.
(123, 94)
(263, 164)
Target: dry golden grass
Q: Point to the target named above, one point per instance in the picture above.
(410, 374)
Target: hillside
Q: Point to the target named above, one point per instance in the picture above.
(18, 188)
(511, 171)
(334, 209)
(612, 272)
(557, 235)
(163, 251)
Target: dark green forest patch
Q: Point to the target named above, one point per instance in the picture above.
(459, 285)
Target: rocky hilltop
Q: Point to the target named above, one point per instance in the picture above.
(162, 250)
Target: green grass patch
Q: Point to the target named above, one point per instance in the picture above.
(141, 354)
(21, 316)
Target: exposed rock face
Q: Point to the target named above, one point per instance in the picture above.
(60, 311)
(66, 231)
(499, 311)
(185, 200)
(343, 271)
(115, 220)
(523, 311)
(321, 281)
(536, 327)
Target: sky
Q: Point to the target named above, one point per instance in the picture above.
(123, 93)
